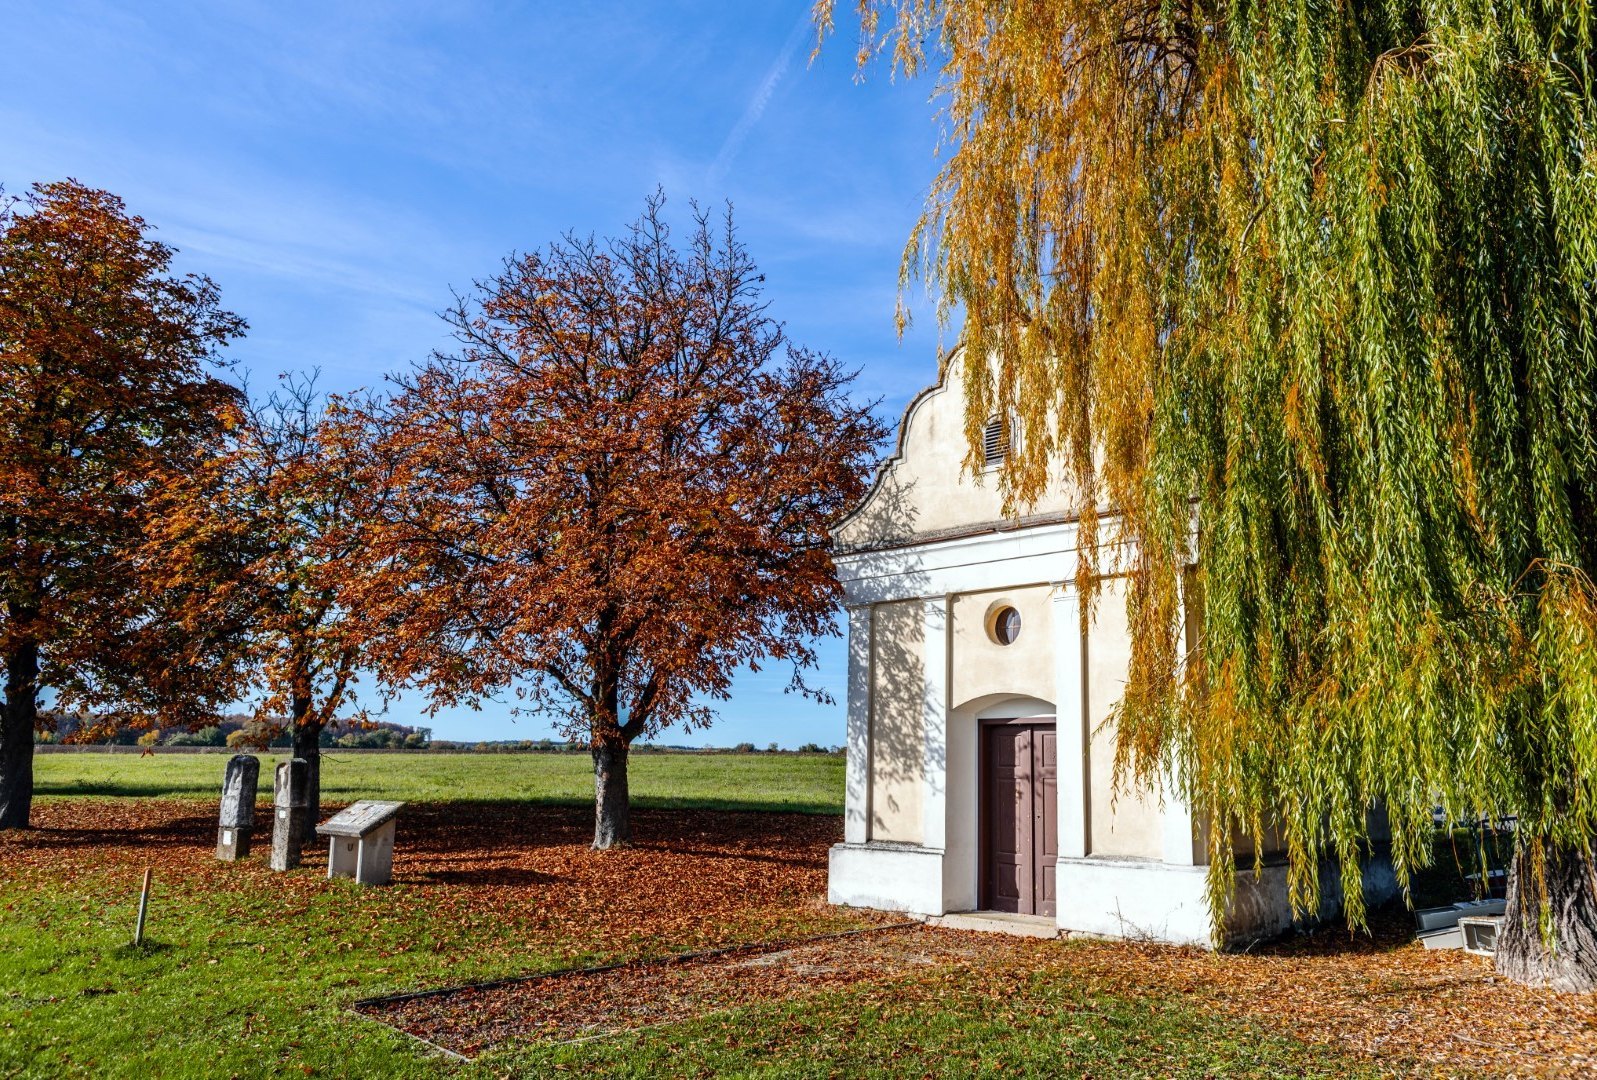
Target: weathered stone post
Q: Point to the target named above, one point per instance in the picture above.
(238, 807)
(288, 813)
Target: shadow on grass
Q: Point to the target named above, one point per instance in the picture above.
(184, 831)
(449, 827)
(485, 875)
(130, 951)
(1391, 927)
(453, 829)
(342, 794)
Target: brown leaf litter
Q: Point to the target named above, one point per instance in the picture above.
(512, 885)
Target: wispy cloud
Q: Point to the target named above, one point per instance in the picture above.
(755, 109)
(219, 215)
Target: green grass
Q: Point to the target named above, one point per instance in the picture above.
(1040, 1024)
(251, 974)
(233, 990)
(806, 783)
(228, 989)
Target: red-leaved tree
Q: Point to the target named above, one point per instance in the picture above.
(266, 525)
(617, 491)
(106, 392)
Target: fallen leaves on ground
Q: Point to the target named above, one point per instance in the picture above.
(583, 1004)
(504, 882)
(1382, 994)
(514, 884)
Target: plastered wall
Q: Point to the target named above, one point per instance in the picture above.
(981, 666)
(1129, 825)
(898, 723)
(923, 489)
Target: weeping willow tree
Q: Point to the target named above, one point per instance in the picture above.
(1307, 289)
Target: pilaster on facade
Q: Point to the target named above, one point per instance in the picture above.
(857, 797)
(1071, 723)
(1180, 846)
(934, 796)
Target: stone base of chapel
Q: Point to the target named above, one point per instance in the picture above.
(1100, 897)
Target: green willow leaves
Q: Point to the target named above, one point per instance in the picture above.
(1307, 288)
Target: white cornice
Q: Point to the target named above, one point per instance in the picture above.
(1041, 555)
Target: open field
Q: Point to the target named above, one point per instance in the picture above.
(249, 973)
(804, 783)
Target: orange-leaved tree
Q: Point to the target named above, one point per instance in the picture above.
(266, 525)
(106, 391)
(615, 493)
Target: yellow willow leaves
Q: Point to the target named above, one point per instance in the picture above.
(1314, 285)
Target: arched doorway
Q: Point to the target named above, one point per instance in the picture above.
(1018, 808)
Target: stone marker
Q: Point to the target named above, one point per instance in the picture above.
(288, 813)
(238, 807)
(1480, 933)
(361, 844)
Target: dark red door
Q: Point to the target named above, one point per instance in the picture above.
(1020, 825)
(1045, 813)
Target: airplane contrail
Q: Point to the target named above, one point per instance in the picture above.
(761, 97)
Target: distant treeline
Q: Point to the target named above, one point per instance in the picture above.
(248, 731)
(242, 731)
(551, 746)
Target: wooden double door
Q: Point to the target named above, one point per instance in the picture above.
(1020, 816)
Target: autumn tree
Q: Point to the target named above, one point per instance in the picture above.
(106, 391)
(616, 492)
(1313, 283)
(265, 523)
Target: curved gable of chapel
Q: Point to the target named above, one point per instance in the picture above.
(924, 492)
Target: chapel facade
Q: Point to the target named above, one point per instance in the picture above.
(980, 771)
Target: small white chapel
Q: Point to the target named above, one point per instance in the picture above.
(980, 773)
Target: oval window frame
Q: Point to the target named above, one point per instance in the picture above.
(1004, 624)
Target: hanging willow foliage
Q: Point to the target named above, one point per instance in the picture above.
(1311, 283)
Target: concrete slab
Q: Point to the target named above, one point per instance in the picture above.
(1443, 937)
(998, 922)
(1437, 918)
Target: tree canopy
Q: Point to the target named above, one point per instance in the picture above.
(615, 494)
(1311, 285)
(107, 391)
(264, 524)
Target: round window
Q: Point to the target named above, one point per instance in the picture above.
(1006, 625)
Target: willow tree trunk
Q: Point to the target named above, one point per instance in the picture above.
(612, 805)
(1565, 956)
(17, 718)
(308, 745)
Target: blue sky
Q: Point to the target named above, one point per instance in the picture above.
(338, 167)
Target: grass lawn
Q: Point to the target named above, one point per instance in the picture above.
(805, 783)
(250, 973)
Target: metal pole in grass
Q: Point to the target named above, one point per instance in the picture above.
(144, 906)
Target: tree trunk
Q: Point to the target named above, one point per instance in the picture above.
(1565, 959)
(17, 717)
(612, 806)
(308, 745)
